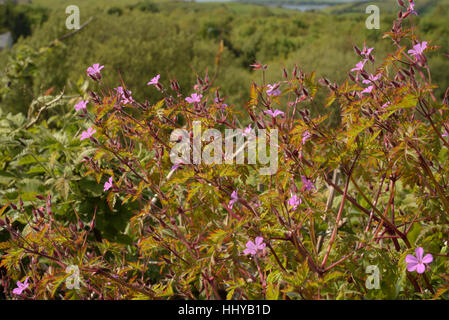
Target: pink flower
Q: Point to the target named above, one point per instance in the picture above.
(385, 105)
(294, 201)
(251, 247)
(94, 71)
(155, 80)
(306, 136)
(368, 90)
(124, 95)
(366, 51)
(87, 134)
(194, 98)
(359, 66)
(274, 113)
(273, 90)
(307, 183)
(371, 79)
(418, 49)
(234, 199)
(411, 8)
(108, 184)
(21, 287)
(81, 105)
(419, 262)
(220, 103)
(247, 131)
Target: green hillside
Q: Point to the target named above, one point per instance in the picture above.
(174, 38)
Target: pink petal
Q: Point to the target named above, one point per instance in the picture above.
(250, 245)
(411, 259)
(259, 240)
(419, 253)
(249, 251)
(412, 267)
(428, 258)
(421, 268)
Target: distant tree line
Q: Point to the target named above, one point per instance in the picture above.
(19, 18)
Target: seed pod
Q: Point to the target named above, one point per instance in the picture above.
(40, 211)
(351, 77)
(94, 96)
(172, 85)
(48, 204)
(395, 84)
(304, 91)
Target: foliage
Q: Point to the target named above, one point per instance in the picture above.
(159, 231)
(19, 19)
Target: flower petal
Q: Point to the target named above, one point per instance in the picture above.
(419, 253)
(411, 259)
(259, 240)
(421, 268)
(250, 245)
(428, 258)
(412, 267)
